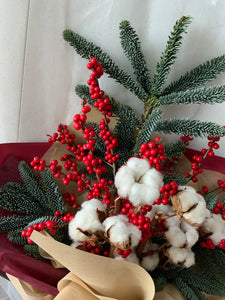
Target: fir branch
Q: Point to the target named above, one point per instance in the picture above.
(174, 149)
(190, 127)
(188, 292)
(32, 183)
(82, 91)
(169, 55)
(159, 280)
(52, 194)
(198, 76)
(147, 129)
(132, 49)
(211, 200)
(14, 197)
(179, 179)
(86, 49)
(198, 96)
(13, 222)
(15, 236)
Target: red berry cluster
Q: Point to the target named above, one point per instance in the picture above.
(67, 218)
(219, 208)
(169, 189)
(138, 219)
(154, 152)
(221, 184)
(70, 199)
(39, 227)
(101, 188)
(208, 243)
(186, 139)
(38, 164)
(111, 142)
(95, 248)
(124, 253)
(64, 137)
(102, 103)
(198, 159)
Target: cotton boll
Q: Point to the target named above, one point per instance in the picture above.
(119, 233)
(190, 259)
(130, 258)
(110, 221)
(150, 262)
(123, 181)
(181, 256)
(138, 166)
(191, 232)
(86, 219)
(94, 204)
(188, 198)
(175, 236)
(142, 194)
(135, 235)
(152, 178)
(197, 215)
(214, 224)
(173, 221)
(217, 237)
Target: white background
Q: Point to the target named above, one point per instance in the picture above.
(38, 69)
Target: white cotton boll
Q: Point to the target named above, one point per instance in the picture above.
(191, 232)
(94, 204)
(217, 237)
(173, 221)
(150, 262)
(197, 215)
(131, 258)
(119, 233)
(138, 166)
(188, 198)
(110, 221)
(152, 178)
(175, 236)
(86, 219)
(123, 180)
(214, 224)
(181, 255)
(190, 259)
(166, 209)
(142, 194)
(135, 235)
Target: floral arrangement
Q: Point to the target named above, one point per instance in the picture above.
(122, 196)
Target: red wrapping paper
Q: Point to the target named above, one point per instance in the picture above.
(13, 259)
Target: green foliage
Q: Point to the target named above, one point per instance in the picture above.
(83, 92)
(16, 237)
(149, 126)
(160, 280)
(132, 48)
(174, 149)
(179, 179)
(190, 127)
(188, 292)
(32, 250)
(198, 76)
(13, 222)
(198, 96)
(211, 200)
(169, 55)
(86, 49)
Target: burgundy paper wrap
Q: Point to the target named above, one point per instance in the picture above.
(13, 260)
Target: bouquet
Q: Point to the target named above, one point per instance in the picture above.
(114, 187)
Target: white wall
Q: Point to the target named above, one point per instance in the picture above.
(38, 69)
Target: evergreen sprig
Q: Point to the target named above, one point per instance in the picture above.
(149, 126)
(199, 76)
(132, 48)
(179, 179)
(86, 49)
(211, 200)
(170, 53)
(174, 149)
(197, 96)
(189, 292)
(82, 91)
(190, 127)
